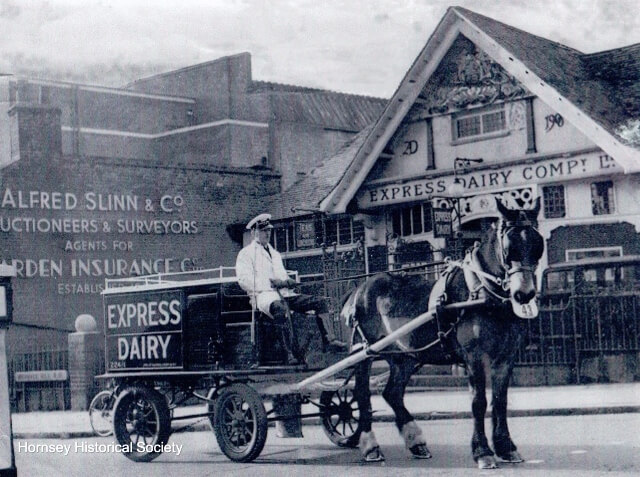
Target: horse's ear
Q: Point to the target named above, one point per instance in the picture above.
(536, 209)
(502, 209)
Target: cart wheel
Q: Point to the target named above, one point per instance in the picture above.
(101, 413)
(341, 417)
(141, 423)
(240, 423)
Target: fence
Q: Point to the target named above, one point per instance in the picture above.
(568, 332)
(582, 327)
(39, 381)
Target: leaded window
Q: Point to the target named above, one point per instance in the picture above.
(478, 124)
(553, 198)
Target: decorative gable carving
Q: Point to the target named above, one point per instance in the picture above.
(468, 77)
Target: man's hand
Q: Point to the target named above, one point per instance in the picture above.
(288, 283)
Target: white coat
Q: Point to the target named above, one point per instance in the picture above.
(255, 268)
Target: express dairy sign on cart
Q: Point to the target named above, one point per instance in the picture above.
(144, 330)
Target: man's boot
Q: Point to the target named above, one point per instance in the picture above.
(286, 343)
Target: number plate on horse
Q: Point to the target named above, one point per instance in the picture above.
(527, 311)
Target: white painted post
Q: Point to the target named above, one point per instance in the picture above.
(7, 458)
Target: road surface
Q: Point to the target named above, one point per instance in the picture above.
(577, 446)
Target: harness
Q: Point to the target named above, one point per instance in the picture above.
(477, 279)
(442, 335)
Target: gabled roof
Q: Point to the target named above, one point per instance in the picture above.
(306, 194)
(585, 89)
(589, 82)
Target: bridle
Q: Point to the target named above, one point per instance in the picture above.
(504, 227)
(497, 286)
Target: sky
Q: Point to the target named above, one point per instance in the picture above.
(354, 46)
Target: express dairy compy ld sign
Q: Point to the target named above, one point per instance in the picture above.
(144, 330)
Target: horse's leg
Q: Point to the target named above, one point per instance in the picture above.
(506, 450)
(482, 453)
(368, 444)
(401, 370)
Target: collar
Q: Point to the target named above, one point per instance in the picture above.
(496, 286)
(258, 244)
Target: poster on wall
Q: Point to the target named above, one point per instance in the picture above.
(305, 234)
(442, 222)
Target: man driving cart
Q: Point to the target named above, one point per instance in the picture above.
(262, 275)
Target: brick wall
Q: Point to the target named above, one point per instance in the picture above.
(215, 84)
(117, 217)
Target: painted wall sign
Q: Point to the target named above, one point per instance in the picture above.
(553, 120)
(65, 242)
(551, 170)
(144, 330)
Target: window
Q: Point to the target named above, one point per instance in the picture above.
(340, 231)
(412, 220)
(469, 126)
(558, 281)
(591, 275)
(602, 198)
(479, 124)
(579, 253)
(553, 197)
(282, 237)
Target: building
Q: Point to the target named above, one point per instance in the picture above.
(487, 110)
(158, 176)
(162, 174)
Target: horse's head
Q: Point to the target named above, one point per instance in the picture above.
(521, 247)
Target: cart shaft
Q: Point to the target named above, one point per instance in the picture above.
(380, 344)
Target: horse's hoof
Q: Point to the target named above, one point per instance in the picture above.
(420, 451)
(512, 457)
(374, 455)
(487, 462)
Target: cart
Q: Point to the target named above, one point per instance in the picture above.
(173, 338)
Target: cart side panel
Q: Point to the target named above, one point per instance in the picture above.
(143, 330)
(204, 331)
(237, 316)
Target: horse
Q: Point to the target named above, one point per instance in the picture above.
(500, 272)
